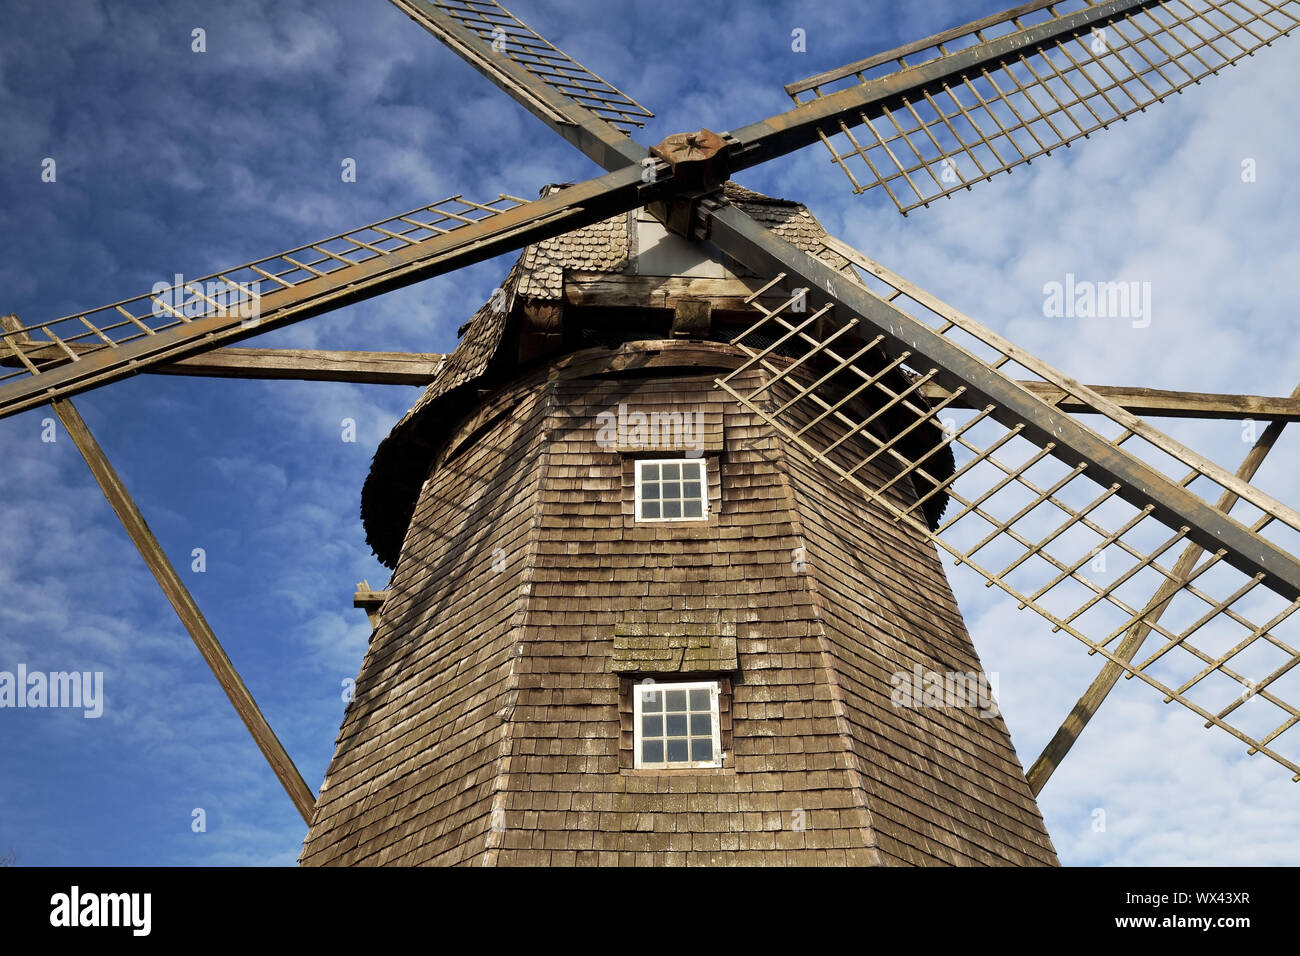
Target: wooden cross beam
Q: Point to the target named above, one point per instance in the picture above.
(420, 368)
(1157, 403)
(370, 599)
(311, 365)
(314, 365)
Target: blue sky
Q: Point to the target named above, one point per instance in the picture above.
(174, 161)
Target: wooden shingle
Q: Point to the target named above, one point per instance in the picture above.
(491, 722)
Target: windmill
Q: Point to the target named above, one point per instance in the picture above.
(854, 334)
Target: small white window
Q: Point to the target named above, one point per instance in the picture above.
(676, 725)
(671, 490)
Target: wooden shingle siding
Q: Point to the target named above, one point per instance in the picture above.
(491, 724)
(413, 776)
(944, 783)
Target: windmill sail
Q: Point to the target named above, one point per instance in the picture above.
(1000, 92)
(1079, 524)
(189, 316)
(582, 107)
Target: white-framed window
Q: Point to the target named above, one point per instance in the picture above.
(672, 489)
(676, 725)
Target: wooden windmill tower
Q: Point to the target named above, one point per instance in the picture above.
(666, 527)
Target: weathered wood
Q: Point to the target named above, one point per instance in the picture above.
(370, 599)
(619, 291)
(489, 649)
(314, 365)
(692, 318)
(1092, 698)
(366, 368)
(916, 46)
(186, 608)
(541, 329)
(446, 249)
(419, 368)
(1154, 402)
(659, 292)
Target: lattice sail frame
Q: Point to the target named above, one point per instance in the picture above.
(1036, 527)
(497, 25)
(236, 292)
(967, 129)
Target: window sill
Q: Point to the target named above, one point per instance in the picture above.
(677, 772)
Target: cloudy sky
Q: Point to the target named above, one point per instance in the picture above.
(172, 161)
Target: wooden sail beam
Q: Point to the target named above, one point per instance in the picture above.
(548, 86)
(147, 330)
(419, 368)
(186, 609)
(958, 108)
(831, 113)
(917, 46)
(1153, 402)
(1043, 768)
(313, 365)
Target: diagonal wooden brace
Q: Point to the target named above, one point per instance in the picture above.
(1042, 769)
(186, 609)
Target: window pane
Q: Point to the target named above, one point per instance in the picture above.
(672, 490)
(677, 724)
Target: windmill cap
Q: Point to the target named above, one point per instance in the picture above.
(492, 351)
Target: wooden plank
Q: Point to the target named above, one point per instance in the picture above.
(1092, 698)
(369, 368)
(564, 211)
(370, 599)
(313, 365)
(1153, 402)
(419, 368)
(186, 608)
(916, 46)
(659, 292)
